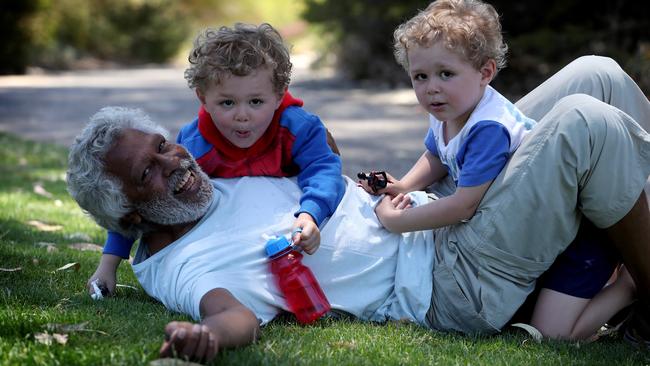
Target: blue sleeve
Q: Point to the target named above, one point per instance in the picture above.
(430, 143)
(190, 137)
(320, 169)
(484, 153)
(117, 244)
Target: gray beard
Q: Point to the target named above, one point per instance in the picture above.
(168, 210)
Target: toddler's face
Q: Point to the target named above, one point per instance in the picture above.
(242, 107)
(446, 85)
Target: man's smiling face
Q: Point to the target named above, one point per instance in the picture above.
(160, 179)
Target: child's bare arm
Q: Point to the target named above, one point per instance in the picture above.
(445, 211)
(105, 274)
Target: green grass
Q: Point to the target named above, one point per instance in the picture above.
(128, 330)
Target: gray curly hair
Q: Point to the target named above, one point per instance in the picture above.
(100, 194)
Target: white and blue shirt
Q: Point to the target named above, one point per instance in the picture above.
(483, 146)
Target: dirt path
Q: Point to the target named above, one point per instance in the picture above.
(373, 128)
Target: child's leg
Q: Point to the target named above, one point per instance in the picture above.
(604, 305)
(600, 77)
(556, 313)
(574, 279)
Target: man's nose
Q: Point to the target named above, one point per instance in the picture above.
(169, 163)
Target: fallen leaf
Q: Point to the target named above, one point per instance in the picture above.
(534, 333)
(50, 247)
(125, 286)
(171, 362)
(43, 226)
(11, 269)
(70, 266)
(43, 338)
(69, 328)
(60, 338)
(86, 247)
(46, 338)
(65, 328)
(79, 236)
(39, 190)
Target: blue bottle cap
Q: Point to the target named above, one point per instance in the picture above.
(276, 245)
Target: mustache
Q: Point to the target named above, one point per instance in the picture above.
(185, 165)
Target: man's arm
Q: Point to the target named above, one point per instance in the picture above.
(226, 323)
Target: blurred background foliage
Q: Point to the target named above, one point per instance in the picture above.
(353, 36)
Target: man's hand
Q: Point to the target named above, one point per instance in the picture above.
(306, 233)
(105, 274)
(389, 209)
(189, 341)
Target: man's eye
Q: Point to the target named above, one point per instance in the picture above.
(227, 103)
(145, 173)
(256, 102)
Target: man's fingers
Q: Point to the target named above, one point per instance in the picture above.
(192, 340)
(202, 345)
(213, 348)
(174, 337)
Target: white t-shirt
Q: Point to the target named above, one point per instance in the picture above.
(363, 269)
(481, 149)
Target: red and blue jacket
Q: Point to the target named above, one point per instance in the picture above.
(294, 144)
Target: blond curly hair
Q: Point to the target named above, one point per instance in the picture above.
(239, 51)
(470, 28)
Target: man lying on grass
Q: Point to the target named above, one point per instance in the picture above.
(202, 241)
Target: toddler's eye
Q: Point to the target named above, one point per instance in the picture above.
(256, 102)
(420, 77)
(227, 103)
(161, 146)
(444, 75)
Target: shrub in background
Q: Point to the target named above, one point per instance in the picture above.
(542, 35)
(55, 34)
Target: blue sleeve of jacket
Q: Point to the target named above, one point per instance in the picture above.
(190, 137)
(117, 244)
(320, 169)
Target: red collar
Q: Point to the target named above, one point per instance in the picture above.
(232, 152)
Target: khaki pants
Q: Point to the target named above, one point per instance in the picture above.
(584, 157)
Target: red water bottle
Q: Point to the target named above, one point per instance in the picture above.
(304, 296)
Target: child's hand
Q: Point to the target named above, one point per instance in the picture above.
(389, 208)
(306, 233)
(393, 186)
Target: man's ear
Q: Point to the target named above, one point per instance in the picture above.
(200, 95)
(130, 219)
(488, 70)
